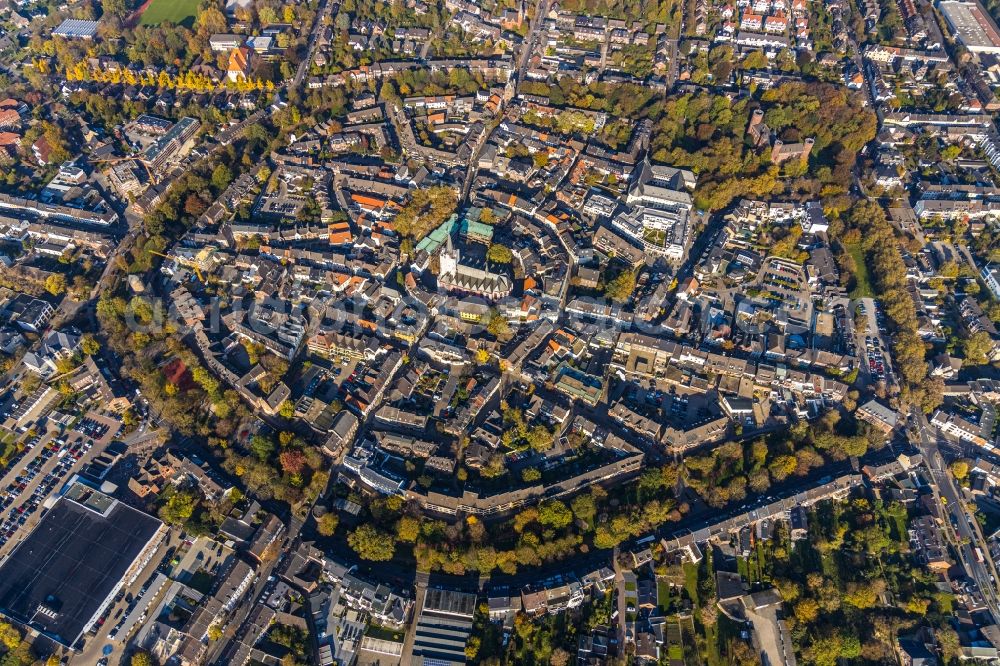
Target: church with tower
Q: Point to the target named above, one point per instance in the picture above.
(456, 277)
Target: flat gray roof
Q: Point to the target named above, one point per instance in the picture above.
(971, 25)
(450, 602)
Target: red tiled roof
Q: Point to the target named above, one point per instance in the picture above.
(239, 60)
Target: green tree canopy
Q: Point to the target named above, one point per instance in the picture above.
(978, 348)
(499, 254)
(554, 513)
(621, 287)
(327, 524)
(372, 544)
(179, 507)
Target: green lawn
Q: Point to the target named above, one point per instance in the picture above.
(899, 531)
(8, 449)
(712, 655)
(829, 566)
(376, 631)
(863, 285)
(675, 640)
(691, 582)
(662, 593)
(759, 562)
(655, 236)
(742, 568)
(181, 12)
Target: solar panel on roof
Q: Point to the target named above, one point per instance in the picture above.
(76, 28)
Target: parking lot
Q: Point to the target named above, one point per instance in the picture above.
(786, 284)
(39, 477)
(47, 462)
(871, 329)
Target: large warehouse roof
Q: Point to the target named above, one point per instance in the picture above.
(76, 28)
(57, 579)
(971, 25)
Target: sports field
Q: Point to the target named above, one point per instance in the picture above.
(181, 12)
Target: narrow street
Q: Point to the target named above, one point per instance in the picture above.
(235, 628)
(620, 603)
(321, 14)
(100, 644)
(418, 605)
(961, 526)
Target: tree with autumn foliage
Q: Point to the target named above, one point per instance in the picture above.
(372, 544)
(194, 205)
(10, 637)
(293, 461)
(326, 524)
(186, 80)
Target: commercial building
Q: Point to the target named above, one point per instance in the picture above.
(76, 29)
(56, 346)
(961, 428)
(34, 209)
(579, 385)
(225, 42)
(330, 344)
(878, 415)
(384, 604)
(971, 25)
(168, 146)
(443, 628)
(227, 596)
(928, 542)
(643, 355)
(659, 205)
(63, 576)
(989, 275)
(618, 459)
(341, 433)
(29, 313)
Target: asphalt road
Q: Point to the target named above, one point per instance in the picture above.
(94, 647)
(960, 525)
(531, 39)
(323, 12)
